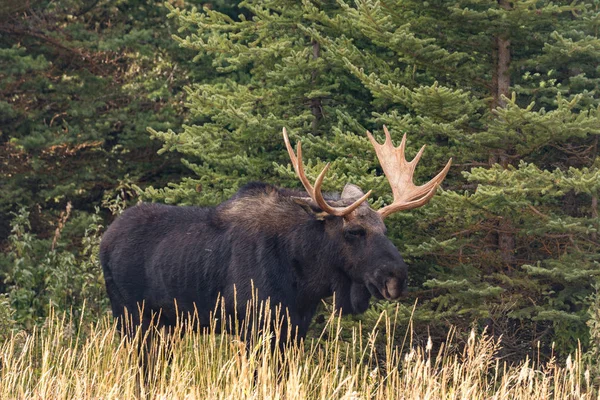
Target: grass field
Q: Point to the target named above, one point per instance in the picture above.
(95, 362)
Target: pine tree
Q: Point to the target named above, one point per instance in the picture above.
(506, 88)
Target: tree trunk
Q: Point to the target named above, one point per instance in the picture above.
(500, 88)
(315, 104)
(500, 80)
(594, 214)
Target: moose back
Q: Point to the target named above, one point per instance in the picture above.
(294, 247)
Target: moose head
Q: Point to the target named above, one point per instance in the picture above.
(368, 256)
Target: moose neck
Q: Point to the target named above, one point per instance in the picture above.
(303, 244)
(316, 258)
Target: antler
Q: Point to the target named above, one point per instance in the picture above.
(399, 173)
(315, 193)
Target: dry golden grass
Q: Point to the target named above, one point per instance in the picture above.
(56, 362)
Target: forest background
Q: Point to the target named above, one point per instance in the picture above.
(106, 102)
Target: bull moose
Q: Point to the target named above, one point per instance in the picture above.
(295, 247)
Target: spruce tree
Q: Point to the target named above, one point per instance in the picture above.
(506, 88)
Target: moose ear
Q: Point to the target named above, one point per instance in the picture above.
(310, 207)
(351, 192)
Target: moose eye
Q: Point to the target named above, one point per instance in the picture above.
(354, 233)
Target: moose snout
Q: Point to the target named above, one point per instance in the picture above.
(394, 288)
(389, 285)
(388, 276)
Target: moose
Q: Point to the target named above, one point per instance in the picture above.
(294, 247)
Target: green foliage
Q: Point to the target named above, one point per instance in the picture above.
(7, 321)
(79, 83)
(512, 240)
(594, 325)
(43, 274)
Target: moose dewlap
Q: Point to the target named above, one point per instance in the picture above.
(294, 247)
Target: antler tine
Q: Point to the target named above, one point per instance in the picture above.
(415, 160)
(315, 193)
(388, 137)
(297, 163)
(338, 211)
(399, 173)
(318, 197)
